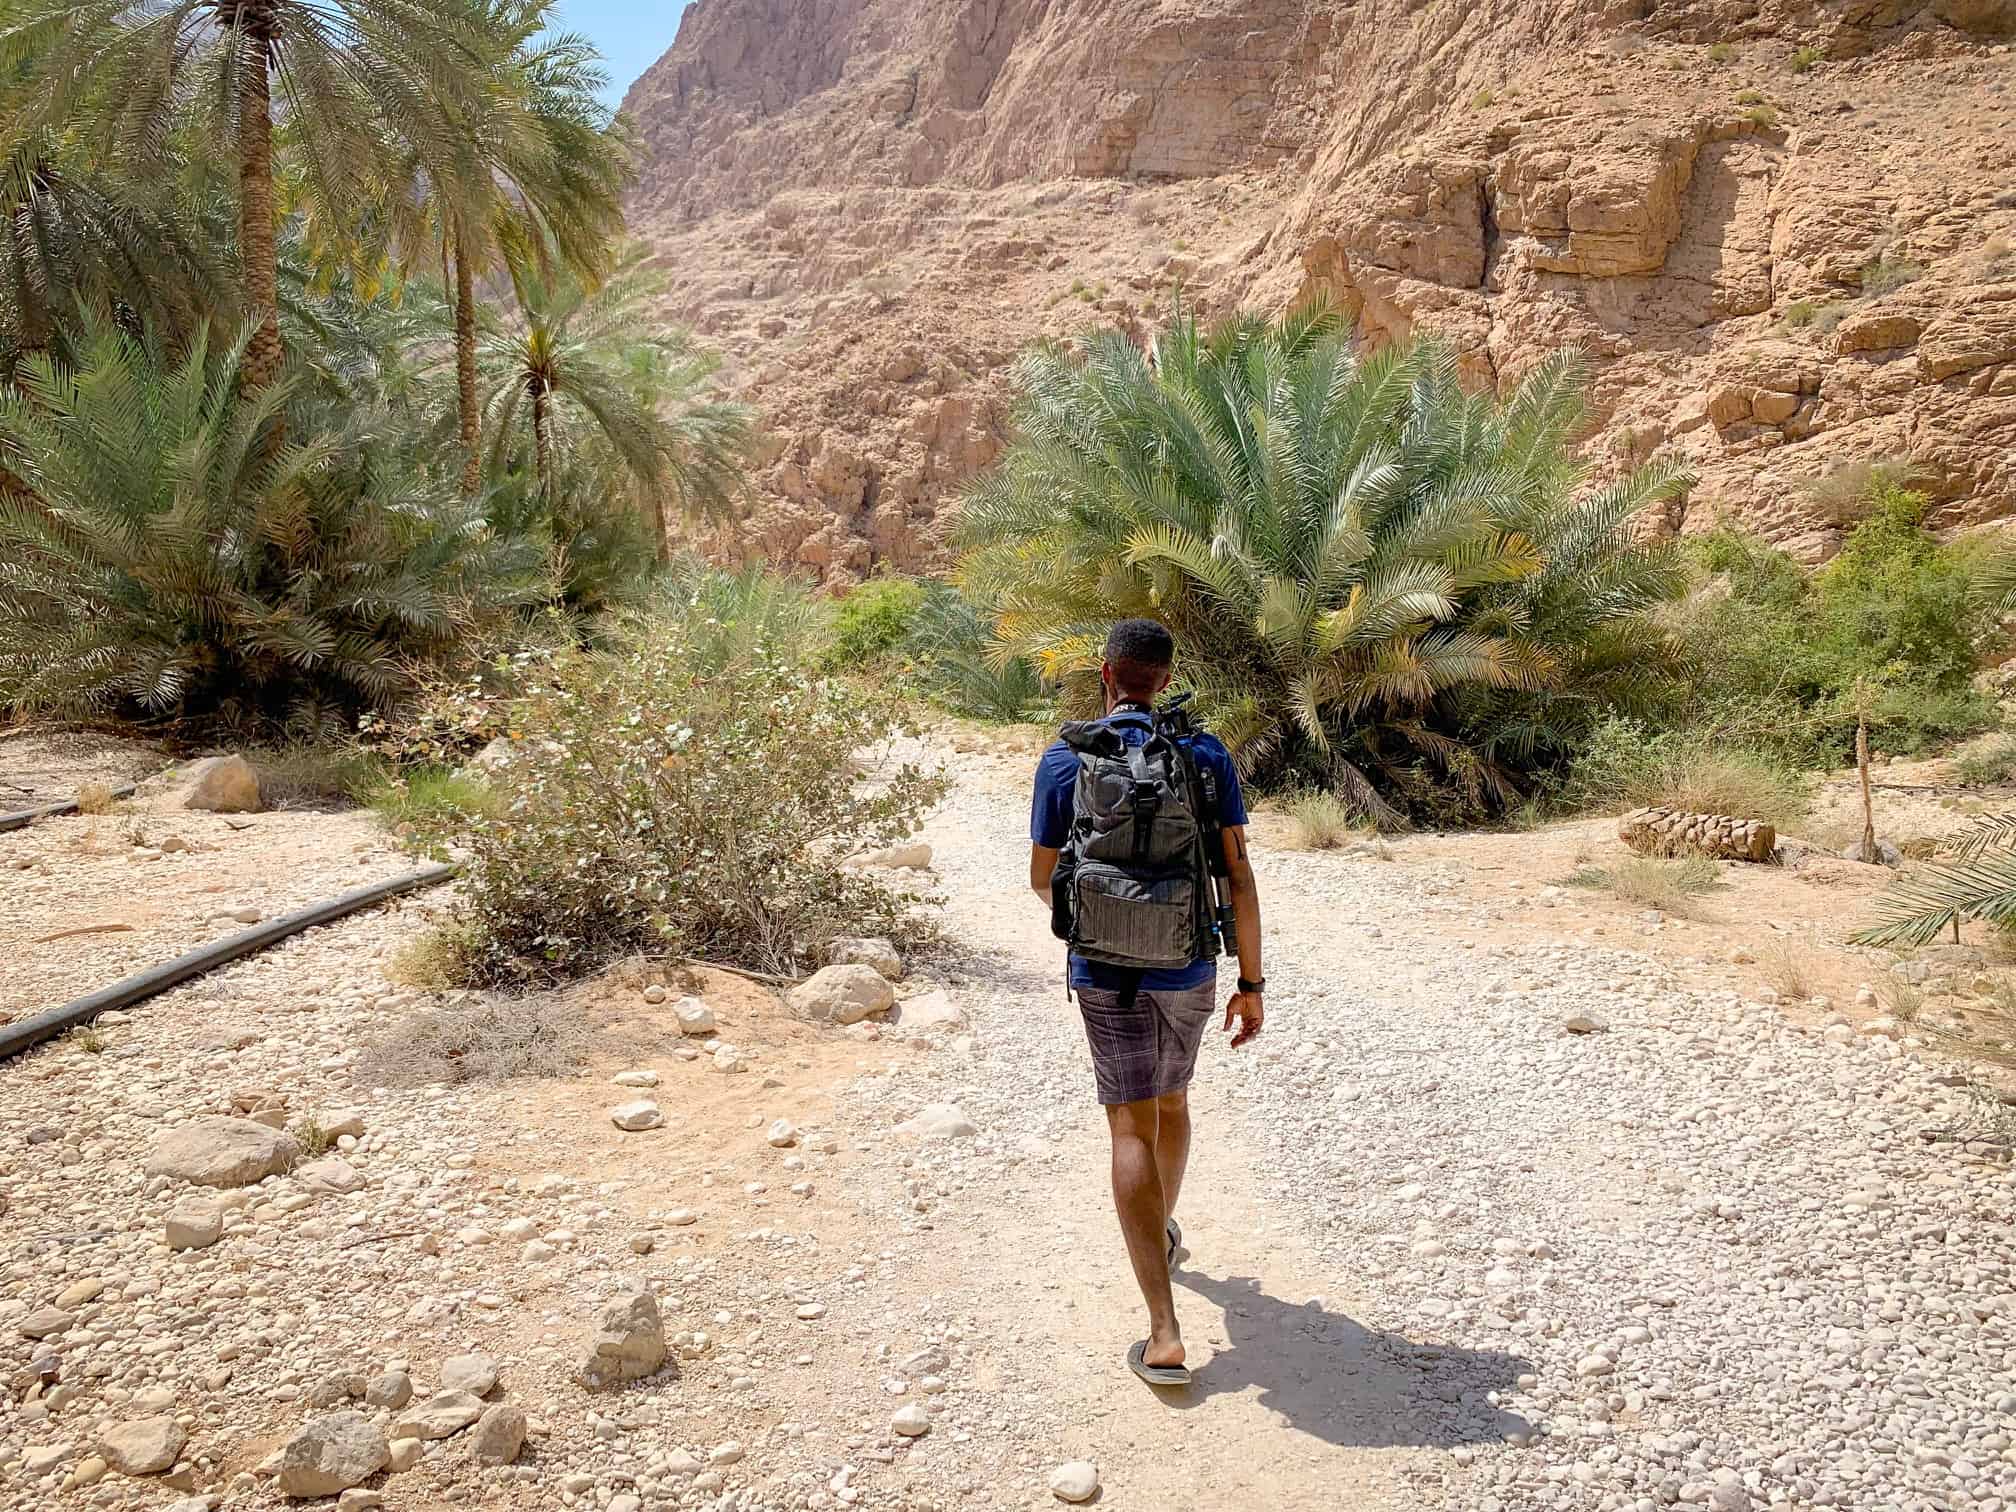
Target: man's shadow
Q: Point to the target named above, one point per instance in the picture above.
(1342, 1382)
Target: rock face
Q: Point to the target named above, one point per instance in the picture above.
(222, 1152)
(1669, 832)
(1774, 273)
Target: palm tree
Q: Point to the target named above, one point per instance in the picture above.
(169, 561)
(573, 356)
(1374, 579)
(354, 78)
(549, 165)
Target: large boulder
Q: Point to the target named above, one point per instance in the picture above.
(331, 1454)
(222, 785)
(843, 994)
(629, 1342)
(222, 1152)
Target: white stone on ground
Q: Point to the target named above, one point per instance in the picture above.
(1075, 1481)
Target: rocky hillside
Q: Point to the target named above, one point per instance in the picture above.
(1783, 230)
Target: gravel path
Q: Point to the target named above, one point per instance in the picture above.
(1442, 1253)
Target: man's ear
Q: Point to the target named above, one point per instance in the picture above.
(1167, 678)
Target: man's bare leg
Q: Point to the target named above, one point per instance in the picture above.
(1172, 1145)
(1138, 1199)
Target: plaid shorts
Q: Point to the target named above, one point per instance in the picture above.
(1148, 1049)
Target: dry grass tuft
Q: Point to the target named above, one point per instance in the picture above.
(1669, 886)
(95, 798)
(90, 1039)
(436, 961)
(1787, 971)
(313, 1139)
(1320, 821)
(486, 1039)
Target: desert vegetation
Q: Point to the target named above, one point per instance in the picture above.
(323, 360)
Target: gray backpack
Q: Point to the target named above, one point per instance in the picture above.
(1134, 884)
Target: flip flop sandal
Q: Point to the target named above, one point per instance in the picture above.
(1175, 1233)
(1156, 1375)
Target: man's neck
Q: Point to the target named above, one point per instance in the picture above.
(1128, 705)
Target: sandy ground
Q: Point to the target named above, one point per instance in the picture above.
(1414, 1119)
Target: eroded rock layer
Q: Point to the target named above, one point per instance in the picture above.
(1784, 231)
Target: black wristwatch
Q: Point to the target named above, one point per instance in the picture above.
(1246, 986)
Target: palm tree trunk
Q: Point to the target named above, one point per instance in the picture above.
(654, 521)
(264, 354)
(465, 374)
(542, 442)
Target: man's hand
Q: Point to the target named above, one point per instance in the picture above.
(1245, 1006)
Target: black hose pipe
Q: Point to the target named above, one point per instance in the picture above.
(25, 817)
(14, 1038)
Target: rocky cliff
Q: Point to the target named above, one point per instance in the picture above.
(1783, 230)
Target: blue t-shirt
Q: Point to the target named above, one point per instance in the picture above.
(1050, 825)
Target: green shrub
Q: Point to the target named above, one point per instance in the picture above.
(171, 558)
(1785, 658)
(872, 620)
(1749, 97)
(662, 806)
(1379, 585)
(1986, 765)
(962, 668)
(1483, 99)
(1762, 116)
(1625, 765)
(434, 801)
(1805, 58)
(728, 619)
(1721, 52)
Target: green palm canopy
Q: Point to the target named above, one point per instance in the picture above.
(353, 82)
(1376, 581)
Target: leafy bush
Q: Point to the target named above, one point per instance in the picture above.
(172, 553)
(1986, 765)
(1625, 765)
(1319, 821)
(663, 804)
(963, 669)
(1721, 52)
(1805, 58)
(1377, 583)
(1786, 658)
(873, 620)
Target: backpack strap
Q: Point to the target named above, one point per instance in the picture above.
(1147, 801)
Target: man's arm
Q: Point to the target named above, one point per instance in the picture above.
(1042, 867)
(1245, 1006)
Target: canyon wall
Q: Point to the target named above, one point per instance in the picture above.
(1784, 231)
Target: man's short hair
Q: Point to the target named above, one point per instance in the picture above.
(1140, 651)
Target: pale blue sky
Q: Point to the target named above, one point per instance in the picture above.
(633, 34)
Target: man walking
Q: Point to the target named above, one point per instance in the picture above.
(1134, 814)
